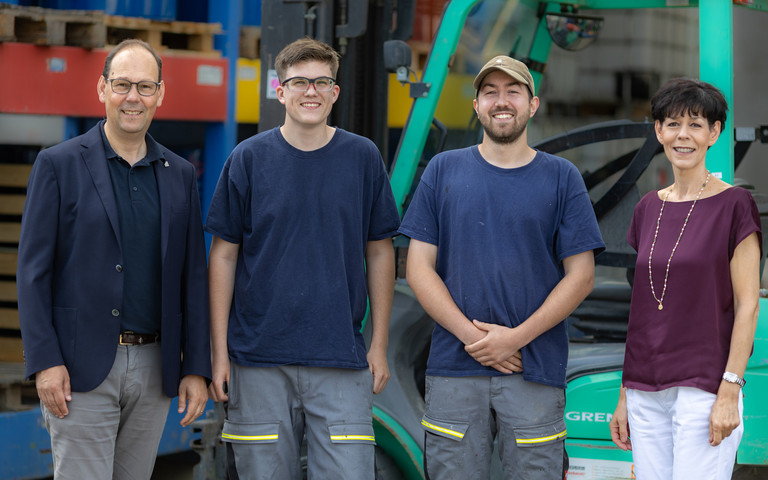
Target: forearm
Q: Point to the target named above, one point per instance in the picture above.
(742, 337)
(745, 282)
(221, 274)
(572, 289)
(380, 274)
(434, 297)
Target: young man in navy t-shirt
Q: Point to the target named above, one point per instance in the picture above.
(302, 219)
(502, 251)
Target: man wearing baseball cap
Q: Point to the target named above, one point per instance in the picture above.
(502, 250)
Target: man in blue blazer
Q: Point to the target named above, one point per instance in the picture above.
(112, 280)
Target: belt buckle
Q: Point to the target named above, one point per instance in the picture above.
(120, 339)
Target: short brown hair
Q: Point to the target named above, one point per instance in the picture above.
(306, 50)
(131, 43)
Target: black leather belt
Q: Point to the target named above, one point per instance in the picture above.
(131, 338)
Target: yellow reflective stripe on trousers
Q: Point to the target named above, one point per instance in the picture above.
(529, 441)
(367, 438)
(248, 438)
(446, 431)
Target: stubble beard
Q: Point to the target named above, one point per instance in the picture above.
(500, 137)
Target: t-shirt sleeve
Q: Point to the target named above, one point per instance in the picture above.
(420, 220)
(745, 221)
(226, 215)
(578, 231)
(384, 216)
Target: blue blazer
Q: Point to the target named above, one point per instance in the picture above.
(69, 278)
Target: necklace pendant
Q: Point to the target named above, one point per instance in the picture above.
(661, 307)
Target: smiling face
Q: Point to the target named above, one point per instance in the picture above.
(130, 114)
(686, 138)
(309, 108)
(504, 106)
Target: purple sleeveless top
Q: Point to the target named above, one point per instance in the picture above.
(687, 343)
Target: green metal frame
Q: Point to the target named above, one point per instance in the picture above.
(715, 66)
(398, 444)
(423, 108)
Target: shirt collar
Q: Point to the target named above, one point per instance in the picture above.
(154, 153)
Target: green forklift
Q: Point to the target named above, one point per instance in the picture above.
(598, 326)
(434, 90)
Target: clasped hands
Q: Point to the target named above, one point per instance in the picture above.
(497, 348)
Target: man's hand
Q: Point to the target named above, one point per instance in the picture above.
(192, 398)
(54, 390)
(218, 389)
(497, 347)
(513, 364)
(377, 364)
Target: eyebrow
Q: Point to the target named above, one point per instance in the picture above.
(511, 83)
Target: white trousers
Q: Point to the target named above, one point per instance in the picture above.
(670, 435)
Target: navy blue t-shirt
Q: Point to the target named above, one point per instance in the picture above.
(302, 220)
(501, 235)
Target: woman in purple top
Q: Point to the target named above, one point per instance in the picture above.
(694, 302)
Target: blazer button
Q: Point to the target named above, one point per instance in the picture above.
(119, 268)
(115, 312)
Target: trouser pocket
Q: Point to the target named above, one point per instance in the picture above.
(250, 433)
(447, 429)
(352, 433)
(538, 435)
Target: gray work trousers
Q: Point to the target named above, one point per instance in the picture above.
(271, 408)
(465, 414)
(113, 431)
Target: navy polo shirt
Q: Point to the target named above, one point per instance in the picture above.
(138, 210)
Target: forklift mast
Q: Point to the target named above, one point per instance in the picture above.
(362, 31)
(356, 29)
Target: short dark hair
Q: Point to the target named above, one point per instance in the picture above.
(306, 50)
(680, 96)
(132, 43)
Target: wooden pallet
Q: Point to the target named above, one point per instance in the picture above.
(178, 37)
(13, 181)
(250, 42)
(16, 393)
(43, 26)
(419, 54)
(94, 29)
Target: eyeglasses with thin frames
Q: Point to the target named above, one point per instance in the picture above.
(122, 86)
(301, 84)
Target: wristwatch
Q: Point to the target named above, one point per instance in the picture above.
(731, 377)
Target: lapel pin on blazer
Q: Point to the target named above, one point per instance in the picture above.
(166, 164)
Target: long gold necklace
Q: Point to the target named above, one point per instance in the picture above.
(656, 234)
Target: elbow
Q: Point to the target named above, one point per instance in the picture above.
(586, 282)
(589, 283)
(747, 312)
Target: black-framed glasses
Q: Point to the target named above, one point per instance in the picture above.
(122, 86)
(301, 84)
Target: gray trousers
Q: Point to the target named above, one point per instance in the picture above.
(113, 431)
(271, 408)
(465, 414)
